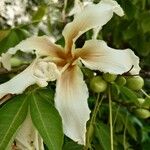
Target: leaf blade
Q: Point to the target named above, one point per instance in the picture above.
(47, 121)
(102, 133)
(16, 111)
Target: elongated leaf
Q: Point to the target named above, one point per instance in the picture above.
(128, 95)
(47, 121)
(12, 114)
(126, 121)
(72, 146)
(145, 21)
(131, 129)
(102, 133)
(39, 14)
(13, 37)
(10, 41)
(3, 34)
(47, 94)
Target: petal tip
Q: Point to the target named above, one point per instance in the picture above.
(116, 7)
(5, 60)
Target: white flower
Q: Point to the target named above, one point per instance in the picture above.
(39, 72)
(71, 90)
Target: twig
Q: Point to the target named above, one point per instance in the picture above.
(110, 120)
(92, 121)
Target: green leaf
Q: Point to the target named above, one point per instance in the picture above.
(128, 95)
(128, 7)
(131, 30)
(39, 14)
(12, 114)
(131, 129)
(72, 146)
(10, 41)
(124, 120)
(14, 37)
(145, 21)
(3, 34)
(47, 94)
(129, 124)
(60, 41)
(47, 121)
(103, 135)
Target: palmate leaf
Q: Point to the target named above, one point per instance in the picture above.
(12, 114)
(47, 121)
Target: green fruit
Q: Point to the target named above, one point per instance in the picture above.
(98, 85)
(142, 113)
(141, 101)
(121, 81)
(135, 83)
(109, 77)
(146, 103)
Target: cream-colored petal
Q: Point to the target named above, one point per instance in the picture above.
(39, 72)
(94, 15)
(27, 137)
(96, 55)
(5, 60)
(77, 8)
(41, 46)
(71, 102)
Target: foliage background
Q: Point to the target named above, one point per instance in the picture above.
(21, 19)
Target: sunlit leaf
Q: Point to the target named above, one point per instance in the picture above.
(13, 38)
(3, 34)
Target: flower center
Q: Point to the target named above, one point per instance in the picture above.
(71, 60)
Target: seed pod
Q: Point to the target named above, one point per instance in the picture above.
(142, 113)
(98, 85)
(109, 77)
(135, 83)
(121, 81)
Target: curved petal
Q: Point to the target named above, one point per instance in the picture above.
(71, 102)
(77, 8)
(27, 136)
(39, 72)
(42, 46)
(96, 55)
(5, 60)
(92, 16)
